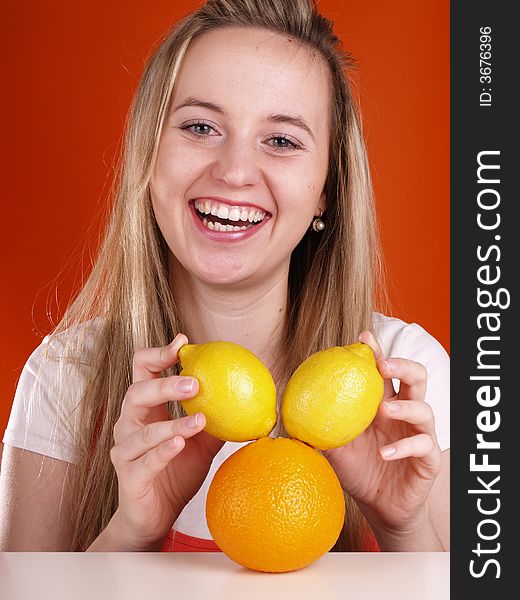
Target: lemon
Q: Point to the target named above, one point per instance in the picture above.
(333, 396)
(237, 394)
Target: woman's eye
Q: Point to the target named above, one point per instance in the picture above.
(281, 142)
(200, 129)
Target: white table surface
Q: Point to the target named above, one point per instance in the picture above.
(212, 576)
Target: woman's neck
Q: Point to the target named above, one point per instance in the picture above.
(253, 316)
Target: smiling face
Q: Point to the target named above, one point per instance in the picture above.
(243, 155)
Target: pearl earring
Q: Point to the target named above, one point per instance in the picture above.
(318, 225)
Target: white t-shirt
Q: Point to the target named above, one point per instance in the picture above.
(46, 424)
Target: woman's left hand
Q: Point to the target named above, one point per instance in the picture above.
(390, 468)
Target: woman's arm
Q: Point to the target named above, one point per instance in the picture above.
(34, 506)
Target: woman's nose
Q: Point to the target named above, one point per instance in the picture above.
(236, 164)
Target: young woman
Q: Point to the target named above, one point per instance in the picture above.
(243, 213)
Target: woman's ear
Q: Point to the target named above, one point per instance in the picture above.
(322, 205)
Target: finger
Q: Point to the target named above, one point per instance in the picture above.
(414, 412)
(420, 446)
(146, 468)
(366, 337)
(157, 391)
(143, 396)
(412, 376)
(149, 363)
(154, 434)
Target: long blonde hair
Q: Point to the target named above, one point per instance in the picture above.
(332, 275)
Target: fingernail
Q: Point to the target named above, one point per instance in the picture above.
(388, 451)
(393, 407)
(186, 384)
(388, 365)
(193, 421)
(176, 339)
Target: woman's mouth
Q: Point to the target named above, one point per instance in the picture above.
(217, 217)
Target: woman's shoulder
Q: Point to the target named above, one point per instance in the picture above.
(407, 340)
(80, 337)
(71, 346)
(399, 339)
(44, 415)
(60, 366)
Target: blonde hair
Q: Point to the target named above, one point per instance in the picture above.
(332, 275)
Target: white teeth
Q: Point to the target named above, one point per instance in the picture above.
(219, 227)
(223, 212)
(234, 214)
(253, 215)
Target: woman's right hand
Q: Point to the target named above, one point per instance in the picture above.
(160, 462)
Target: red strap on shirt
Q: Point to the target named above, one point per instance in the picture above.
(180, 542)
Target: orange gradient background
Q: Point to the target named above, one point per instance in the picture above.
(69, 71)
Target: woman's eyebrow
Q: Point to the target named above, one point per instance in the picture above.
(191, 101)
(297, 121)
(292, 120)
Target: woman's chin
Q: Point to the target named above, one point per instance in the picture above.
(224, 278)
(222, 272)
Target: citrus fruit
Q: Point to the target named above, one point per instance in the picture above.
(333, 396)
(237, 394)
(275, 505)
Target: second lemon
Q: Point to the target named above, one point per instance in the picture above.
(333, 396)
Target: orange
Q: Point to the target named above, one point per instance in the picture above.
(275, 505)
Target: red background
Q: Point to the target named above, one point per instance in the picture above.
(69, 71)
